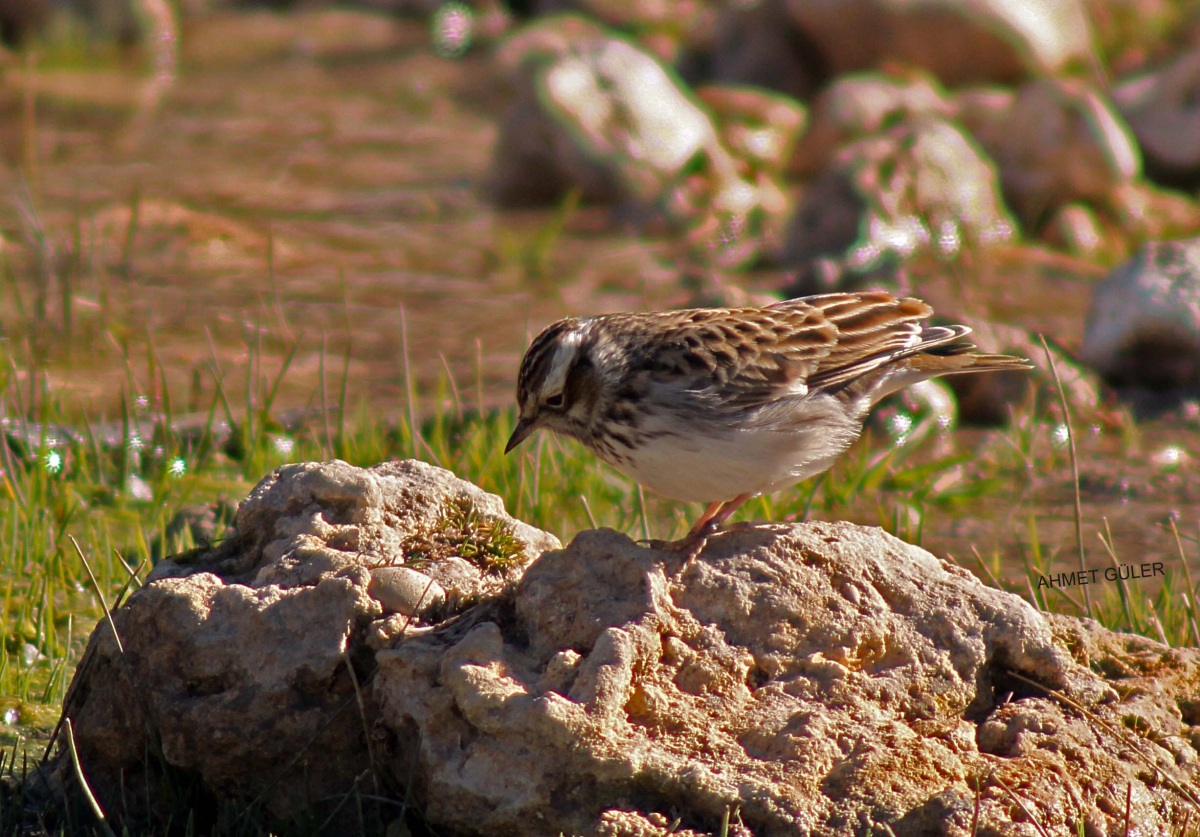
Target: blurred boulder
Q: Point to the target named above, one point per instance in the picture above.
(1143, 326)
(861, 104)
(921, 185)
(604, 96)
(598, 113)
(1163, 110)
(535, 162)
(760, 44)
(1056, 141)
(958, 41)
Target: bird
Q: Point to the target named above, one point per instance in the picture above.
(719, 405)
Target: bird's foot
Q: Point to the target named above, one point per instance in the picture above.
(690, 546)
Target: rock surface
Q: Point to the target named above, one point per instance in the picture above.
(818, 678)
(241, 666)
(599, 113)
(959, 42)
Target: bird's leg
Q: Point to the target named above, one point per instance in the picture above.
(709, 524)
(702, 522)
(714, 517)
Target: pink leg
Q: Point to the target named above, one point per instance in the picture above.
(709, 513)
(715, 516)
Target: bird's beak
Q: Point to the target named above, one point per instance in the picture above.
(525, 426)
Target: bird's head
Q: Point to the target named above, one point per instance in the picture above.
(558, 387)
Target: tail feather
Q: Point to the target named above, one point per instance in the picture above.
(933, 364)
(943, 358)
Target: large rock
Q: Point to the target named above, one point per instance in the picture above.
(598, 110)
(239, 667)
(818, 678)
(959, 41)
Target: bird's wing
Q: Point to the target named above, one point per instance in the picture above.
(873, 329)
(734, 358)
(739, 358)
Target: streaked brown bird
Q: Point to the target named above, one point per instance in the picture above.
(718, 405)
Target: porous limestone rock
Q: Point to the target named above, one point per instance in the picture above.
(815, 678)
(241, 666)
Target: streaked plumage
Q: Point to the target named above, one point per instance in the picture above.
(720, 404)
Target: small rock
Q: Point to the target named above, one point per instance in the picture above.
(1076, 229)
(859, 105)
(406, 591)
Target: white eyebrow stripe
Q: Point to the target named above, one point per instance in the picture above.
(560, 364)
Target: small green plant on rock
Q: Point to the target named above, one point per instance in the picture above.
(487, 542)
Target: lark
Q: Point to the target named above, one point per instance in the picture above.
(718, 405)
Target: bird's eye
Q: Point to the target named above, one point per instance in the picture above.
(555, 401)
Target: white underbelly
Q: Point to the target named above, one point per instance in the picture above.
(751, 461)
